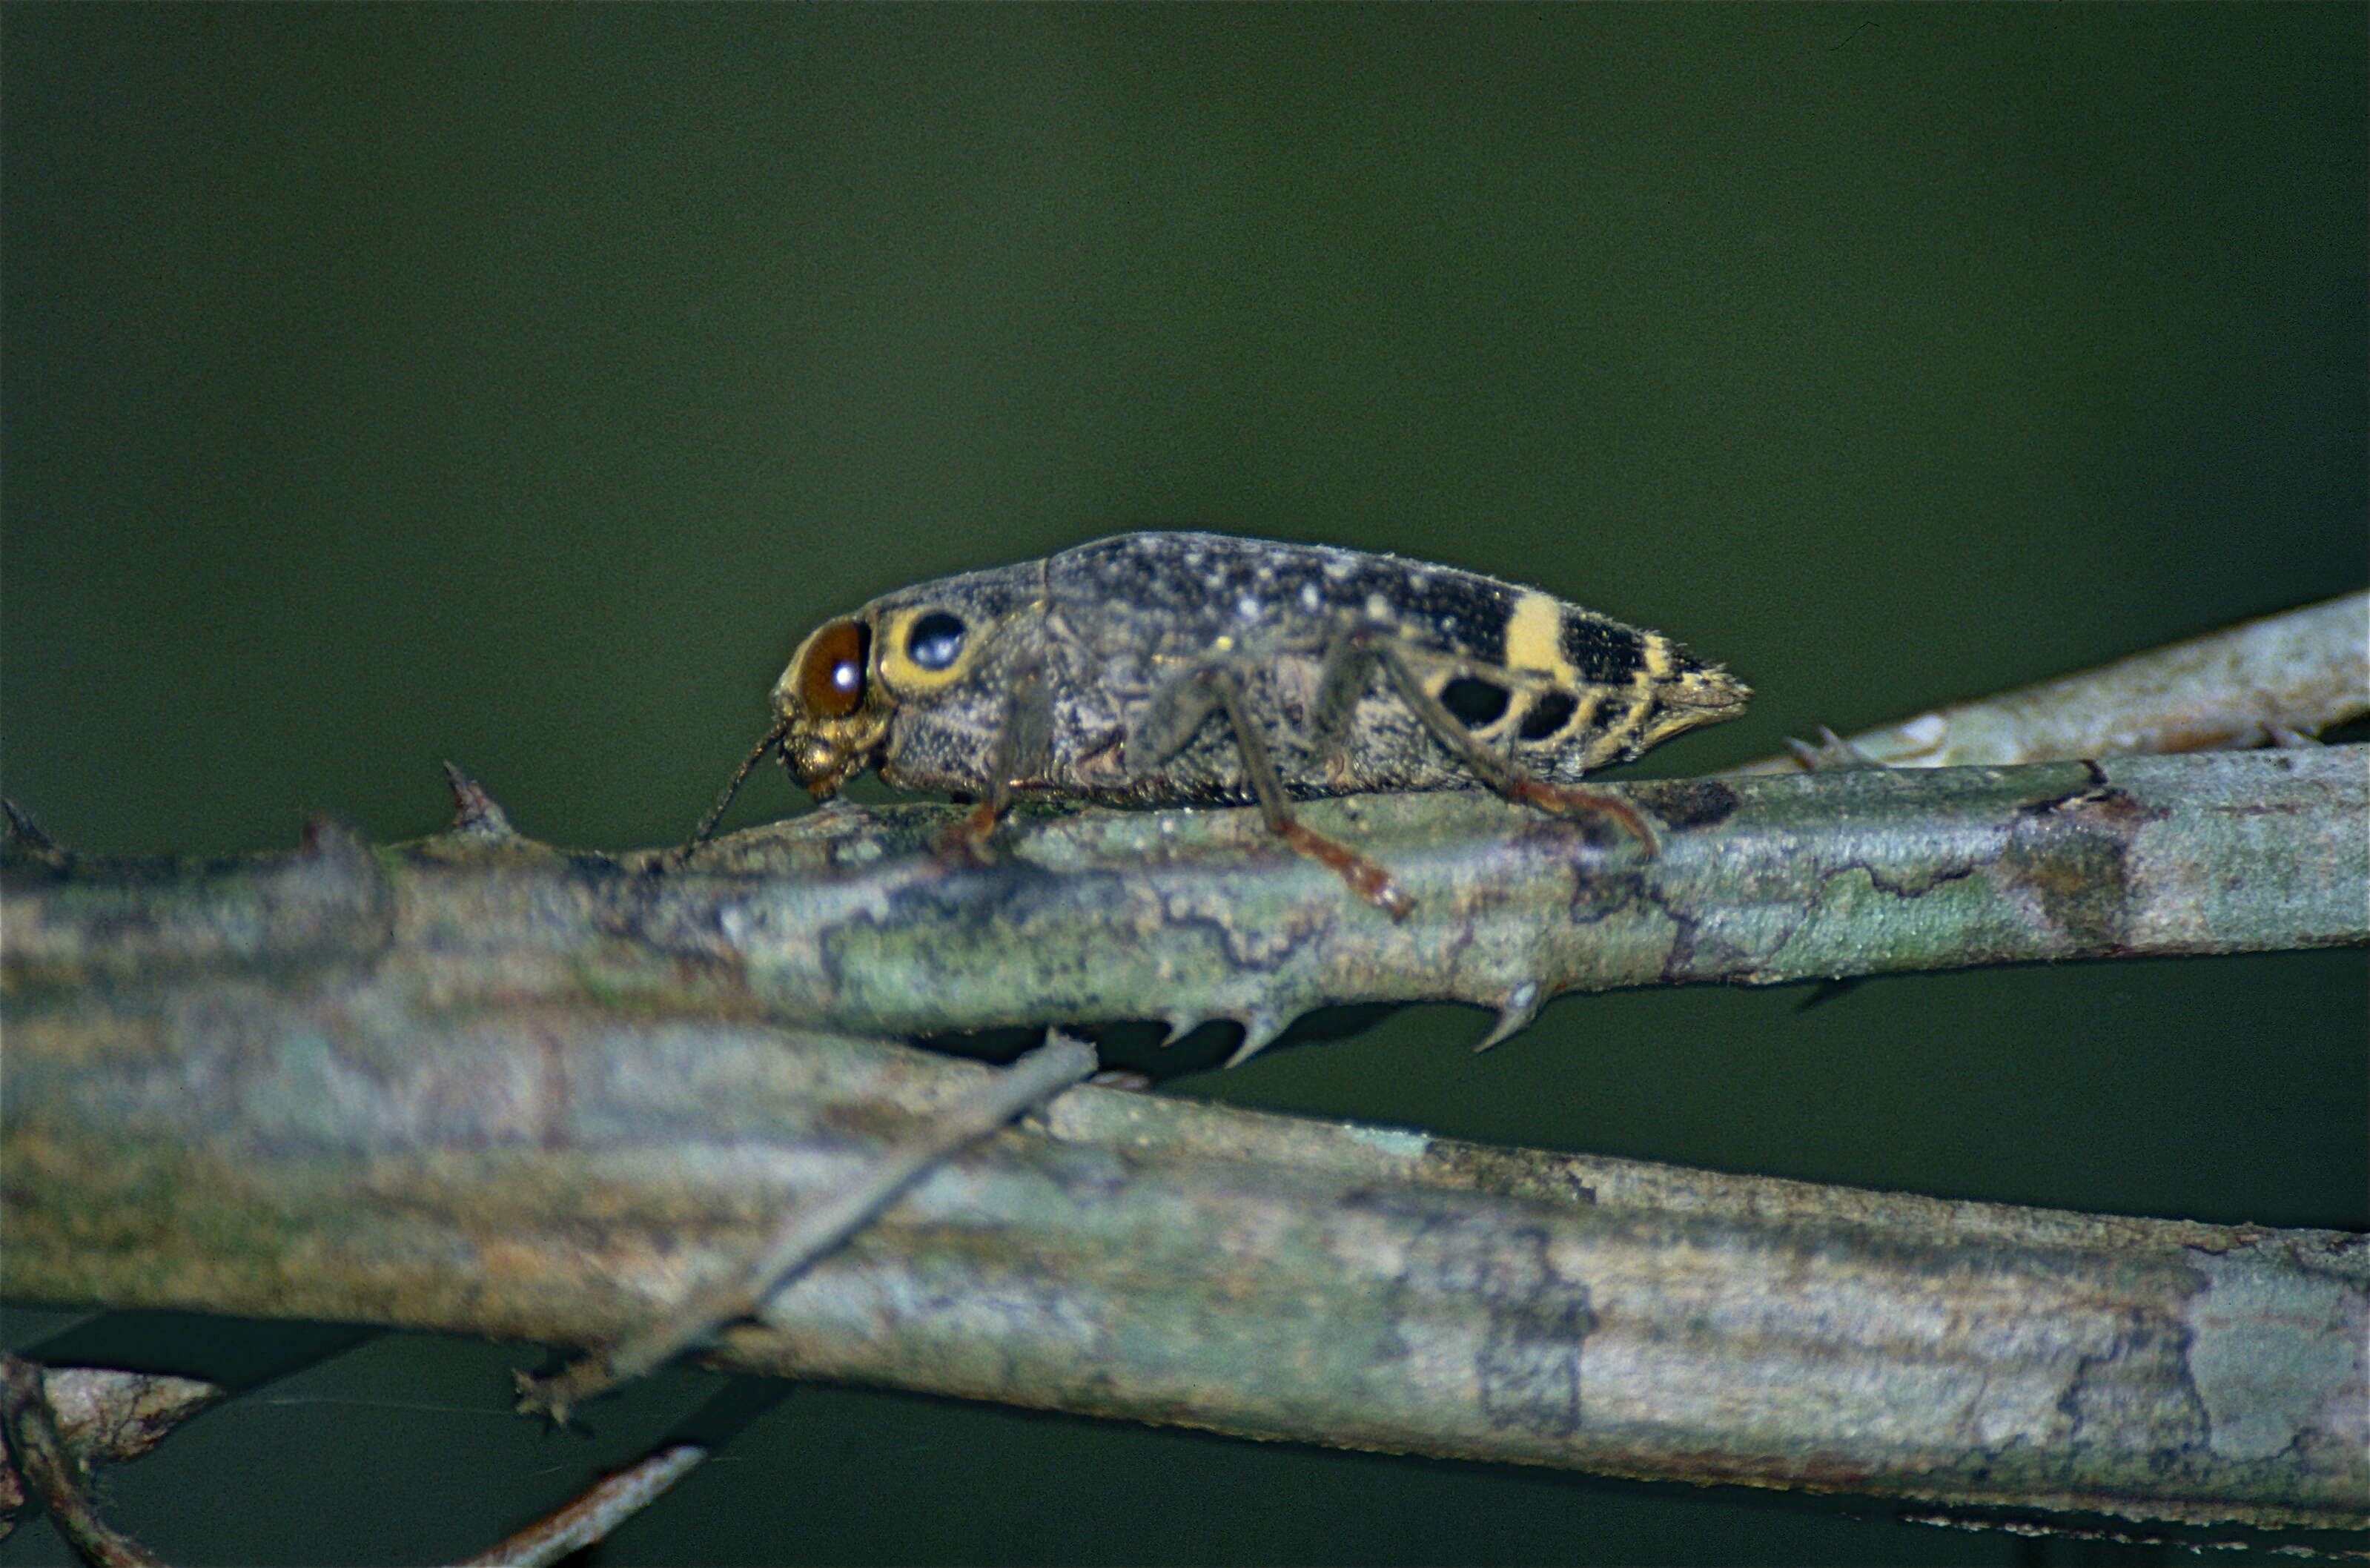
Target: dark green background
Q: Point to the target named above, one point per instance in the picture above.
(518, 386)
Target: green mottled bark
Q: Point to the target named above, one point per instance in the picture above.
(481, 1085)
(565, 1176)
(845, 920)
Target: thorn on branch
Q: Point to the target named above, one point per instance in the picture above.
(22, 834)
(477, 814)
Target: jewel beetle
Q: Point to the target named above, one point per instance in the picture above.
(1172, 668)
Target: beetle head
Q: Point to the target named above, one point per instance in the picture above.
(831, 711)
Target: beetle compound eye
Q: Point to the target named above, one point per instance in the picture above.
(935, 641)
(1474, 703)
(831, 676)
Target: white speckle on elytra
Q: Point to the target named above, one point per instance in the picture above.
(1247, 608)
(1309, 597)
(1377, 608)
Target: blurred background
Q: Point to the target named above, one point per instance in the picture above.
(387, 385)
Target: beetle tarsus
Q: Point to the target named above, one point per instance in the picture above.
(1367, 880)
(966, 842)
(1572, 800)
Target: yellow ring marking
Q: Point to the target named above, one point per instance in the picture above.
(897, 667)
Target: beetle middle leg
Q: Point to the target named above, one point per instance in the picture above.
(1178, 712)
(1354, 652)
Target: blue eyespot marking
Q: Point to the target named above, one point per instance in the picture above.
(935, 641)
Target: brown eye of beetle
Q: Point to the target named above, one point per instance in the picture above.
(831, 676)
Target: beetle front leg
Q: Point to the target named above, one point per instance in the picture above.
(1022, 748)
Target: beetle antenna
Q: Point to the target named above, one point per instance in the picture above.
(740, 775)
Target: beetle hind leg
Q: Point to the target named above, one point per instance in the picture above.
(1353, 653)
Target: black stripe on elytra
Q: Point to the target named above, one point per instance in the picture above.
(1605, 652)
(1457, 610)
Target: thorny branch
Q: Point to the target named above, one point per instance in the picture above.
(483, 1085)
(2293, 673)
(568, 1175)
(846, 919)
